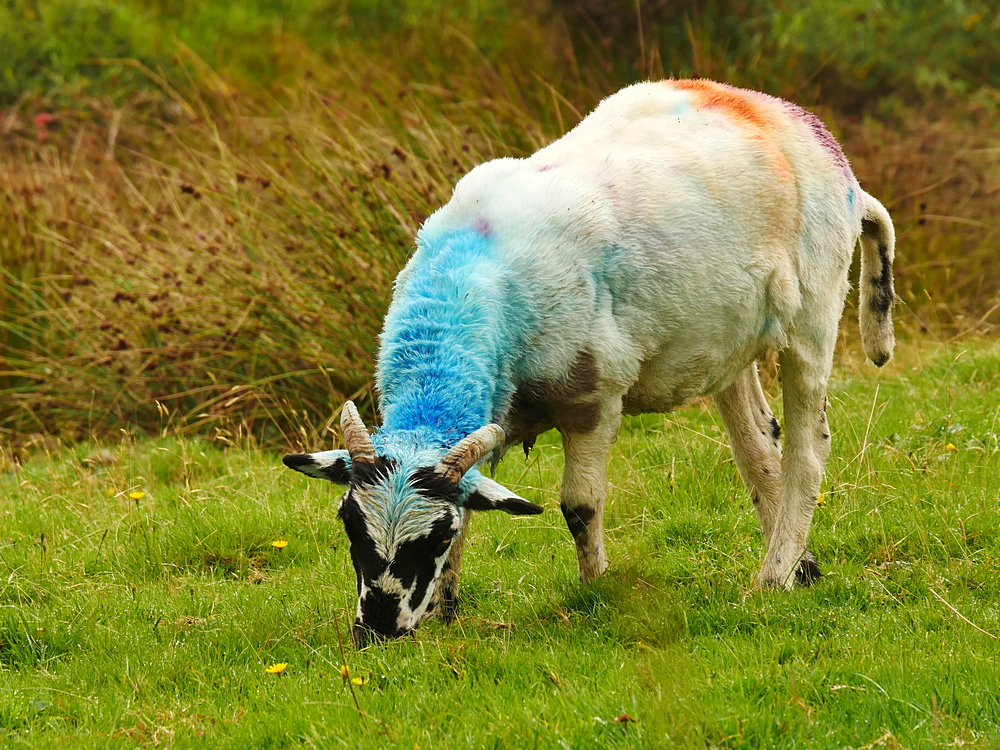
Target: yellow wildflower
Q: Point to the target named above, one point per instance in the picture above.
(137, 494)
(950, 447)
(344, 671)
(359, 680)
(821, 499)
(276, 668)
(279, 544)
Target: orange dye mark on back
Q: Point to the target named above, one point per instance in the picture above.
(728, 99)
(738, 105)
(779, 164)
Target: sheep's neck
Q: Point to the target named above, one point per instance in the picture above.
(447, 349)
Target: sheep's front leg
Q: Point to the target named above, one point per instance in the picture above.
(754, 435)
(584, 490)
(804, 373)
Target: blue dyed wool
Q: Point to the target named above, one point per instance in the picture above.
(444, 367)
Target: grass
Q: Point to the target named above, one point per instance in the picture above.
(202, 207)
(68, 51)
(141, 598)
(232, 271)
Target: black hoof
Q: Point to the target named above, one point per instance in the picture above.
(808, 571)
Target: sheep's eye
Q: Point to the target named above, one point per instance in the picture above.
(444, 545)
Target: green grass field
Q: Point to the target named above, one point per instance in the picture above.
(142, 599)
(202, 207)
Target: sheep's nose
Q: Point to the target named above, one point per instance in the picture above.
(363, 636)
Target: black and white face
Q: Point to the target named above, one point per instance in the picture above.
(401, 529)
(402, 521)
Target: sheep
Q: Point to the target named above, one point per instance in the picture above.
(651, 255)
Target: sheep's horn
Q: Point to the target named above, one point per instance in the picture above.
(469, 451)
(356, 437)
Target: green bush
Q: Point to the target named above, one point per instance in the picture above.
(54, 46)
(849, 54)
(60, 49)
(862, 51)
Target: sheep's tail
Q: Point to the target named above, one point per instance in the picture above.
(878, 245)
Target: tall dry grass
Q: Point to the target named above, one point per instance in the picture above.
(229, 270)
(937, 169)
(209, 261)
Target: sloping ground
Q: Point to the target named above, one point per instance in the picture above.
(143, 597)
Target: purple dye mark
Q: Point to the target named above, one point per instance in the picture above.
(482, 226)
(546, 167)
(825, 138)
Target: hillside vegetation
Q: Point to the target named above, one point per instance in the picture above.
(204, 204)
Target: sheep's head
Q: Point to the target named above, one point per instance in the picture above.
(402, 514)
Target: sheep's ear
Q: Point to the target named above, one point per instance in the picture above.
(489, 495)
(332, 465)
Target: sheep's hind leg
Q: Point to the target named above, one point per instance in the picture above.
(805, 368)
(755, 438)
(584, 489)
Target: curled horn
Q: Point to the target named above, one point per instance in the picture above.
(356, 437)
(469, 451)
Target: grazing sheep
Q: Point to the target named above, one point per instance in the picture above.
(648, 256)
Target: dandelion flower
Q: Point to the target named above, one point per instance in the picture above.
(276, 668)
(359, 680)
(821, 499)
(279, 544)
(344, 671)
(950, 447)
(137, 495)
